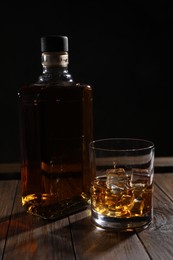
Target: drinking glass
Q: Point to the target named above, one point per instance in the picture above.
(122, 183)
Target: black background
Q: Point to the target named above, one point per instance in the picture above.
(124, 51)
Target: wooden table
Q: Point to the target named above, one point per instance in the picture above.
(23, 236)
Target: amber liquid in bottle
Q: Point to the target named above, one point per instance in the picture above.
(56, 128)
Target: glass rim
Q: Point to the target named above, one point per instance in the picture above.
(147, 144)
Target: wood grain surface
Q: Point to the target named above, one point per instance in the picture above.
(23, 236)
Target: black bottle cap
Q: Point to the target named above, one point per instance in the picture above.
(54, 43)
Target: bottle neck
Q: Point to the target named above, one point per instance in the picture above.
(54, 59)
(55, 68)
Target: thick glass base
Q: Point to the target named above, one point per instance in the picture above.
(53, 211)
(120, 224)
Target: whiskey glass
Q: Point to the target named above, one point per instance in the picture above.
(122, 183)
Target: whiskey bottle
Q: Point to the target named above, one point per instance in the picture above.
(56, 126)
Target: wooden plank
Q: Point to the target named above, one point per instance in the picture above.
(12, 170)
(9, 167)
(165, 182)
(8, 190)
(158, 237)
(30, 237)
(15, 167)
(163, 161)
(9, 171)
(163, 164)
(93, 243)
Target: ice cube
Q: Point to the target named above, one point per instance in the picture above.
(137, 209)
(140, 178)
(116, 180)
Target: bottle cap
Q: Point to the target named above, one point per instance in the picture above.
(54, 43)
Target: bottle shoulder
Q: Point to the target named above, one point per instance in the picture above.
(40, 90)
(42, 86)
(59, 78)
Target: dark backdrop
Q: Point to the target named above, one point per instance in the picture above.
(124, 51)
